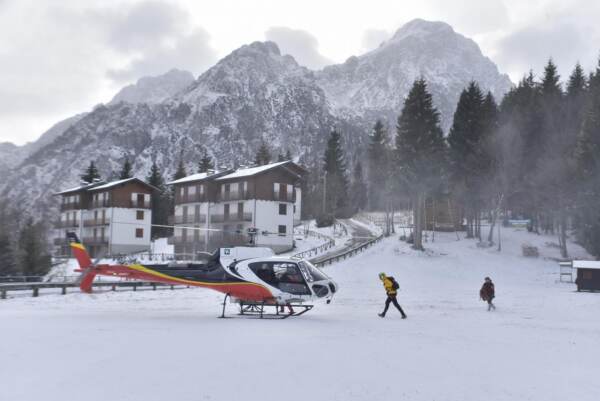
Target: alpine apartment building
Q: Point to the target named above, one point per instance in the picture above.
(110, 218)
(249, 206)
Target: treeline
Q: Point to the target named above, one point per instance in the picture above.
(535, 156)
(24, 250)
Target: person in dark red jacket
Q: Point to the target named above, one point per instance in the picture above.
(488, 293)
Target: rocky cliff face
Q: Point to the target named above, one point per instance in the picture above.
(253, 94)
(375, 84)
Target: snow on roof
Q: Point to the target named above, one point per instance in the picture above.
(79, 188)
(189, 178)
(119, 182)
(114, 183)
(246, 172)
(586, 264)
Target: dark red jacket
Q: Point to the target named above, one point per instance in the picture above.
(487, 291)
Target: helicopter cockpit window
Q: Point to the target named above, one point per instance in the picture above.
(283, 275)
(310, 272)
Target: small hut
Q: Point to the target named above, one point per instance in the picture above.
(588, 275)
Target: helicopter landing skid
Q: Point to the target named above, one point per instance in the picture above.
(259, 310)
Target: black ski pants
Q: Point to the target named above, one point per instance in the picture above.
(392, 299)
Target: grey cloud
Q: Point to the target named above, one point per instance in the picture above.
(145, 25)
(531, 47)
(191, 52)
(300, 44)
(472, 16)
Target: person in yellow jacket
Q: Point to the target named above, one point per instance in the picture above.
(391, 289)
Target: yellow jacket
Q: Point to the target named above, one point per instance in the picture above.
(389, 286)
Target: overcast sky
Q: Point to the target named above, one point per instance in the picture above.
(59, 58)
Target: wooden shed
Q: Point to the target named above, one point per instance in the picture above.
(588, 275)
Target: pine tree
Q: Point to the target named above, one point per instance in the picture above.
(420, 150)
(336, 181)
(587, 156)
(33, 258)
(206, 163)
(358, 191)
(181, 170)
(91, 173)
(8, 265)
(263, 155)
(469, 161)
(126, 171)
(288, 155)
(160, 202)
(377, 166)
(280, 157)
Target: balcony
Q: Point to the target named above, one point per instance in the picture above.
(96, 222)
(100, 203)
(66, 224)
(195, 198)
(140, 204)
(233, 196)
(190, 219)
(219, 218)
(284, 196)
(95, 241)
(70, 206)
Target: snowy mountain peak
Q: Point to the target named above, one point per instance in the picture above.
(421, 29)
(155, 89)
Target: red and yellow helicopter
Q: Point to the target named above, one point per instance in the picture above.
(250, 276)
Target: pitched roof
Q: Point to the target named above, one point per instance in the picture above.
(199, 177)
(247, 172)
(113, 184)
(80, 188)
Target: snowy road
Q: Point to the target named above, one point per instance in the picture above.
(543, 343)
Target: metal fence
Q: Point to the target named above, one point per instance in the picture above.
(349, 253)
(330, 243)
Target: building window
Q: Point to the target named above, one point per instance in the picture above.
(240, 211)
(191, 190)
(226, 212)
(282, 230)
(139, 233)
(201, 189)
(139, 215)
(276, 190)
(282, 209)
(290, 191)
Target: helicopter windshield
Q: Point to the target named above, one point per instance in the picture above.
(283, 275)
(310, 272)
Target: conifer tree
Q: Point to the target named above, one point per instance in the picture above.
(181, 171)
(288, 155)
(587, 156)
(91, 173)
(33, 258)
(358, 190)
(420, 150)
(8, 265)
(126, 170)
(469, 162)
(377, 166)
(206, 163)
(263, 155)
(280, 157)
(160, 202)
(336, 181)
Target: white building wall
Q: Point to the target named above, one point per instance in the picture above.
(122, 230)
(298, 206)
(268, 219)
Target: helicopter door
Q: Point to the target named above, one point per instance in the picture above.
(285, 276)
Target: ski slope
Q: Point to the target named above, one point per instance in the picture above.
(542, 343)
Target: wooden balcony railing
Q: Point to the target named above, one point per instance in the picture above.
(219, 218)
(96, 222)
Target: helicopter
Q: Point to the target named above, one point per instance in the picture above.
(252, 277)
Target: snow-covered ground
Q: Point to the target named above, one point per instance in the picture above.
(542, 343)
